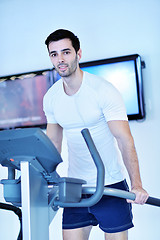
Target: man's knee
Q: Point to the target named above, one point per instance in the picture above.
(78, 233)
(117, 236)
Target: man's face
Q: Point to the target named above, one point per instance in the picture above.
(63, 57)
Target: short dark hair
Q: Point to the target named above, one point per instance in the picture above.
(62, 34)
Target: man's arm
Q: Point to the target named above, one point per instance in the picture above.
(121, 131)
(55, 133)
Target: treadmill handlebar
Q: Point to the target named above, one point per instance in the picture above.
(100, 176)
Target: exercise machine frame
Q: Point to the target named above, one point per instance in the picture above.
(40, 191)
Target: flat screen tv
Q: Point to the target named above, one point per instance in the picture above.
(21, 99)
(125, 73)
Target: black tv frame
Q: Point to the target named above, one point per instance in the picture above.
(139, 65)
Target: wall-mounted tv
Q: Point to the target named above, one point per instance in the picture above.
(125, 73)
(21, 98)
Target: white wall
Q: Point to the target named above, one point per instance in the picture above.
(106, 29)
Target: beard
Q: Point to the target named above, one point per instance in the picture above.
(71, 68)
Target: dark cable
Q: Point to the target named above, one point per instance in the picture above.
(17, 211)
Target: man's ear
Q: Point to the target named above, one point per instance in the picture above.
(79, 54)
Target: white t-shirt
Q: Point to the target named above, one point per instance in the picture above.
(92, 106)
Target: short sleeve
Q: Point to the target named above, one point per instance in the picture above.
(112, 103)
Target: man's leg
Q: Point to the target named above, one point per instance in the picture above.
(77, 234)
(117, 236)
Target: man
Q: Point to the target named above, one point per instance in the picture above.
(82, 100)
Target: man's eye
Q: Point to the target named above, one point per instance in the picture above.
(53, 55)
(67, 52)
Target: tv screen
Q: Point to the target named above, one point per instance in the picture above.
(21, 99)
(126, 75)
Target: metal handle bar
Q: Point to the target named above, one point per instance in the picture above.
(100, 190)
(98, 193)
(121, 194)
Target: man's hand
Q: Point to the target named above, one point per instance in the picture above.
(141, 195)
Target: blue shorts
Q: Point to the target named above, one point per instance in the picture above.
(111, 213)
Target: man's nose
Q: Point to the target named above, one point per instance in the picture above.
(60, 58)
